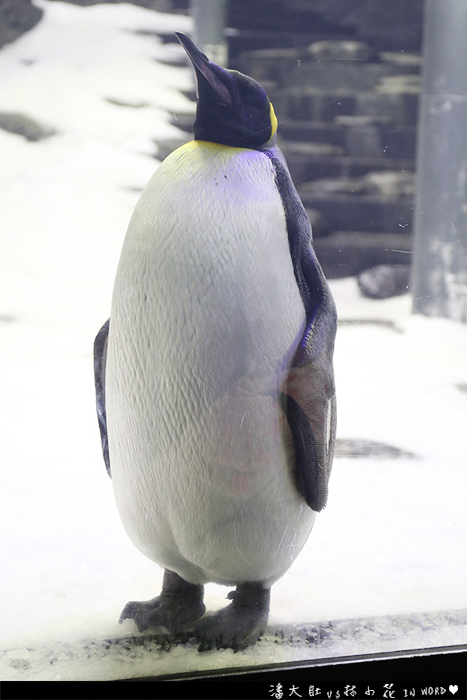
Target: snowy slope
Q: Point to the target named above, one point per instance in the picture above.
(393, 537)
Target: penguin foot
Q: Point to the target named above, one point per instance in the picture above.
(178, 606)
(239, 624)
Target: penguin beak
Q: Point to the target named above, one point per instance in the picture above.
(203, 66)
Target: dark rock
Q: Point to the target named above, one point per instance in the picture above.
(24, 126)
(368, 448)
(384, 281)
(17, 17)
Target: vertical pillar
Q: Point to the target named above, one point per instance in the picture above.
(439, 281)
(210, 18)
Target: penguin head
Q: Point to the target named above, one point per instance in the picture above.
(233, 109)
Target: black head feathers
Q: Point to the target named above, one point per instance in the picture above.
(233, 109)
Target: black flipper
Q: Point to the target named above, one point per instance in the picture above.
(310, 401)
(100, 358)
(310, 405)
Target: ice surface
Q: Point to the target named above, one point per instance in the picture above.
(393, 537)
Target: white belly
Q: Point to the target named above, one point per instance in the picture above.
(206, 317)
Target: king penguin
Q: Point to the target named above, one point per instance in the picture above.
(214, 375)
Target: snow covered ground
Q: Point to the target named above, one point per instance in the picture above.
(393, 537)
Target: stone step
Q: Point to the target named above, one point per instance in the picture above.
(299, 67)
(312, 164)
(359, 136)
(314, 104)
(368, 213)
(347, 253)
(383, 183)
(242, 40)
(395, 25)
(284, 17)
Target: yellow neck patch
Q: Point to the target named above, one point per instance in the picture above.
(273, 118)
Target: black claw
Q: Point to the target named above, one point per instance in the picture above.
(239, 624)
(130, 611)
(179, 605)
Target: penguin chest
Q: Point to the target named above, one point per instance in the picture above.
(206, 318)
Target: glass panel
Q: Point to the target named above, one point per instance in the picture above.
(93, 98)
